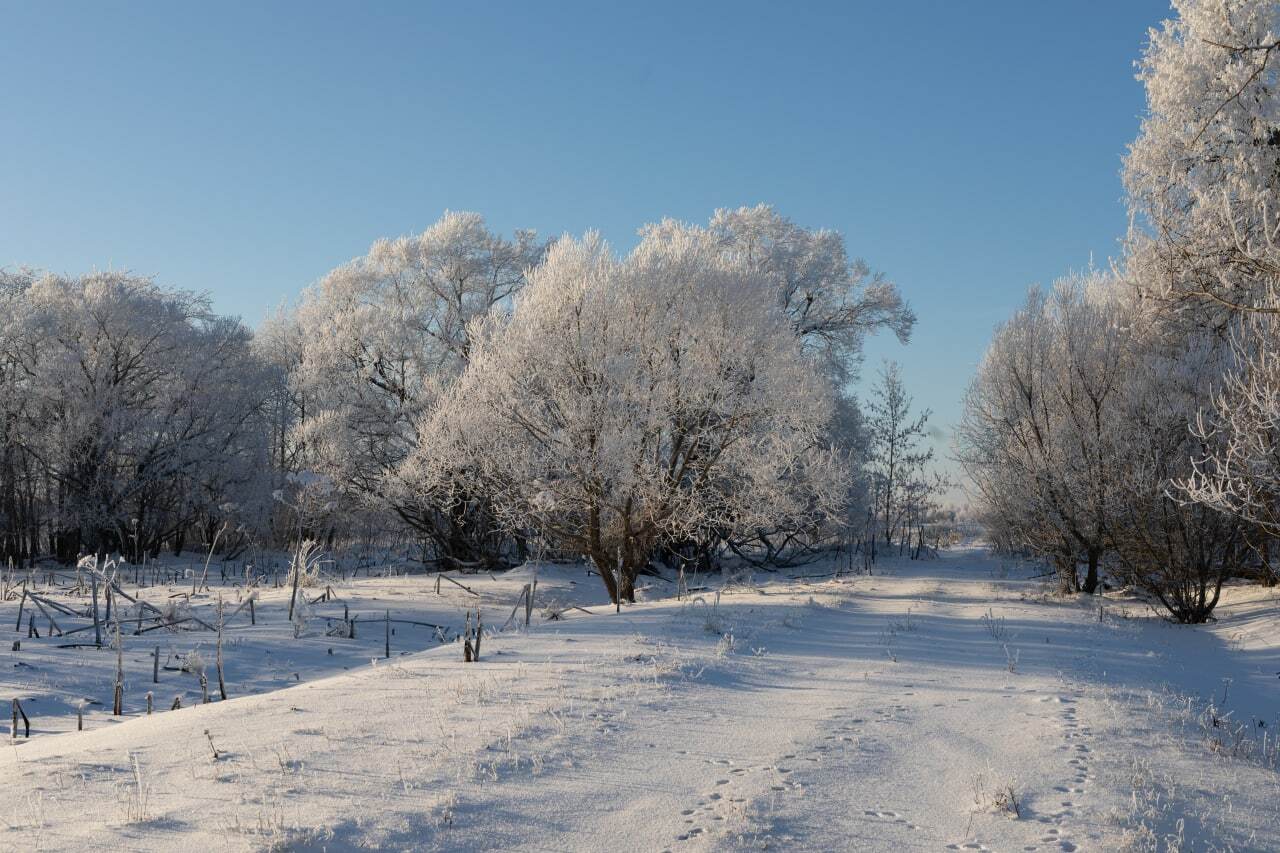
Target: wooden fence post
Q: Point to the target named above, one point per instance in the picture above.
(97, 628)
(118, 709)
(26, 724)
(222, 685)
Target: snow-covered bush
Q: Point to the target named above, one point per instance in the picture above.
(305, 564)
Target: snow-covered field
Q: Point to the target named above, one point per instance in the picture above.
(909, 710)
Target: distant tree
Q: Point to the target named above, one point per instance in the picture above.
(896, 456)
(924, 511)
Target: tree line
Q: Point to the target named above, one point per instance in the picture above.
(485, 397)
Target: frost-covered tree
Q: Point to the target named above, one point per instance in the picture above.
(1238, 472)
(383, 337)
(1202, 175)
(1036, 436)
(278, 344)
(137, 410)
(1075, 433)
(1177, 550)
(20, 497)
(1076, 429)
(897, 458)
(832, 302)
(1204, 183)
(633, 402)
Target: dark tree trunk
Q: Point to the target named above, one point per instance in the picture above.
(1091, 579)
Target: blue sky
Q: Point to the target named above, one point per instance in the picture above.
(968, 150)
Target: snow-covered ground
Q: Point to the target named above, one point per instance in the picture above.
(902, 711)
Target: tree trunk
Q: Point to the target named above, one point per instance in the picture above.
(1065, 565)
(1091, 579)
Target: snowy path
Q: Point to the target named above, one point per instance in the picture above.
(843, 715)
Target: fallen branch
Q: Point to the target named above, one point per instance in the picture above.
(61, 608)
(459, 586)
(35, 599)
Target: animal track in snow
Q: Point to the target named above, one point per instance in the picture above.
(1072, 734)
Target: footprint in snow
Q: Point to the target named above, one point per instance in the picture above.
(694, 832)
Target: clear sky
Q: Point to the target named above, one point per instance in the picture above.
(967, 149)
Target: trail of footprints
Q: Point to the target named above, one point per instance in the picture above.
(1054, 837)
(1074, 737)
(711, 807)
(722, 800)
(714, 806)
